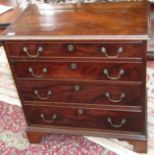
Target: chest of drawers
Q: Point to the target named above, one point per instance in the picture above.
(81, 69)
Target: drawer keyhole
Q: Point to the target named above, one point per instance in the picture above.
(70, 48)
(77, 88)
(73, 66)
(80, 111)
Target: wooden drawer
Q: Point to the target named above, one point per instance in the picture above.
(82, 117)
(51, 49)
(67, 92)
(78, 70)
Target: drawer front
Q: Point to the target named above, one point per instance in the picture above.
(87, 118)
(79, 70)
(80, 93)
(101, 50)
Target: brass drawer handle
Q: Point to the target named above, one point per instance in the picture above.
(73, 66)
(107, 94)
(121, 72)
(44, 71)
(77, 88)
(71, 48)
(49, 93)
(53, 118)
(39, 50)
(123, 121)
(119, 51)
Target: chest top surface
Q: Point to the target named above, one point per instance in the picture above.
(100, 21)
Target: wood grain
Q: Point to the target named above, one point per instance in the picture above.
(124, 20)
(89, 118)
(85, 109)
(80, 50)
(83, 70)
(74, 93)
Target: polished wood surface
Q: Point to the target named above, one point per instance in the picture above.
(82, 21)
(87, 118)
(82, 79)
(77, 70)
(127, 50)
(80, 93)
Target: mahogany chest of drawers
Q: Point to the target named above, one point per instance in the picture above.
(81, 69)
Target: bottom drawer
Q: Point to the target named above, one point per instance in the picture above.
(84, 117)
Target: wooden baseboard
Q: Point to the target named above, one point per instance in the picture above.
(35, 135)
(139, 146)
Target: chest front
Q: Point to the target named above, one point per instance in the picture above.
(81, 69)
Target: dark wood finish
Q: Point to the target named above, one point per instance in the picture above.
(35, 135)
(82, 50)
(139, 146)
(87, 118)
(41, 131)
(124, 20)
(80, 71)
(88, 28)
(80, 93)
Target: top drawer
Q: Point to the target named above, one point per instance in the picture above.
(86, 50)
